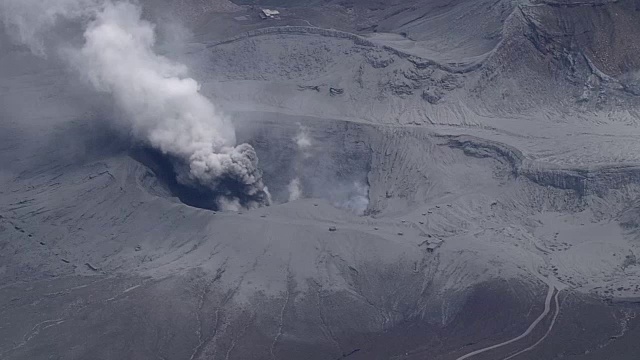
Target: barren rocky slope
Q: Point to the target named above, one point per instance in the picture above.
(493, 145)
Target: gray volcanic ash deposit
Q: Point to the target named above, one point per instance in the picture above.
(447, 180)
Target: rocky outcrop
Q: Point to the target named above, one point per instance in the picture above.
(583, 181)
(564, 53)
(357, 40)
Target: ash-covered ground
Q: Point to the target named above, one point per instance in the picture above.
(434, 179)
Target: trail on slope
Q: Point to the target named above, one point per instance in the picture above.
(547, 308)
(553, 322)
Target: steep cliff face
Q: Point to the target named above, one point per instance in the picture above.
(452, 29)
(595, 180)
(606, 32)
(565, 54)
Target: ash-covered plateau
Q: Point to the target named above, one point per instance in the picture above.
(320, 179)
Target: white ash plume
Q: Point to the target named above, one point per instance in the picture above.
(31, 22)
(163, 106)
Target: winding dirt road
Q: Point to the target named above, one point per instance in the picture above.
(553, 322)
(547, 309)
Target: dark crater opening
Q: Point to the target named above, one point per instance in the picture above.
(335, 167)
(163, 168)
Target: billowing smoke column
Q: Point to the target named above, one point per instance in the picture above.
(162, 105)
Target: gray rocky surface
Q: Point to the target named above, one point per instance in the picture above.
(467, 183)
